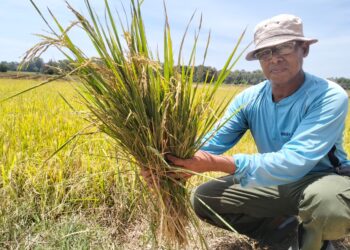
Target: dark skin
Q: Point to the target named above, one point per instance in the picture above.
(286, 75)
(201, 162)
(285, 72)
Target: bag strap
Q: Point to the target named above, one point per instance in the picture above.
(334, 159)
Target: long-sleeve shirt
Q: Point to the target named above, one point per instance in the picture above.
(293, 136)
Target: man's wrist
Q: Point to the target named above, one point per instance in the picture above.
(229, 166)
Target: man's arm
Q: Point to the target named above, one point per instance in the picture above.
(229, 130)
(203, 162)
(225, 134)
(312, 140)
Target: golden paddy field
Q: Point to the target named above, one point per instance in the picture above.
(79, 195)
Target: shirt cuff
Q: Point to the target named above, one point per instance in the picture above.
(242, 163)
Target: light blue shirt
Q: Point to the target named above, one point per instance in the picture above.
(293, 136)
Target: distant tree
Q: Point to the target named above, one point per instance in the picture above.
(204, 73)
(229, 79)
(199, 74)
(256, 77)
(342, 81)
(39, 64)
(245, 77)
(3, 67)
(211, 73)
(12, 66)
(64, 65)
(34, 65)
(51, 68)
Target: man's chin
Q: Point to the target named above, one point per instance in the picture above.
(277, 79)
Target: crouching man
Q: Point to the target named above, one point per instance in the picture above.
(297, 122)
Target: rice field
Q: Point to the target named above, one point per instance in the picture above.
(82, 195)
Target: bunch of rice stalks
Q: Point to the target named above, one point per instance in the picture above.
(150, 107)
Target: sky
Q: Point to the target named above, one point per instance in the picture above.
(326, 20)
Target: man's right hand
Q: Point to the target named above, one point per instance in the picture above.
(203, 162)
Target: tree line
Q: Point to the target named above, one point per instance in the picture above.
(37, 65)
(201, 73)
(342, 81)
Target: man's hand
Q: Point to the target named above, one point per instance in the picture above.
(203, 162)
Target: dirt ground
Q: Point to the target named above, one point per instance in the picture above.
(219, 239)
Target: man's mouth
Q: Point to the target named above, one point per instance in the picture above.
(277, 70)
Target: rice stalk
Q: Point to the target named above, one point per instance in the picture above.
(149, 107)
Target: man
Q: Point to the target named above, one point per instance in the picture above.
(297, 122)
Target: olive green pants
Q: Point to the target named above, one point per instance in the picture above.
(321, 200)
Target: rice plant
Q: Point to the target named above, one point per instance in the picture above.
(149, 106)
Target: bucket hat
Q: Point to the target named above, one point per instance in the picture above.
(276, 30)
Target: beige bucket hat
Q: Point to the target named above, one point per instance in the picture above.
(276, 30)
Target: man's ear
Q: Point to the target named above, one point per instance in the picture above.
(306, 49)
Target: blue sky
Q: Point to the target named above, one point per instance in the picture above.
(326, 20)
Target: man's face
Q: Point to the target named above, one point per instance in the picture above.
(284, 62)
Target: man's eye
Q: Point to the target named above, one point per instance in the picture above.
(285, 46)
(263, 53)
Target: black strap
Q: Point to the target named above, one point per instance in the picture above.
(333, 159)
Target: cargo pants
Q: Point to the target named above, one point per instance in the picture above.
(321, 200)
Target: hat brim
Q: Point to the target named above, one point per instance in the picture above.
(273, 41)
